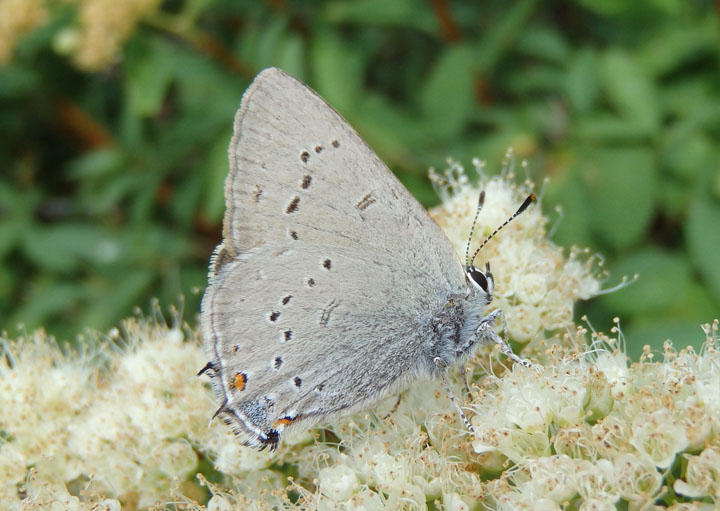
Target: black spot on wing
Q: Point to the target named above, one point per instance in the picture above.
(365, 201)
(292, 207)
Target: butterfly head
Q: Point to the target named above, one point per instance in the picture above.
(480, 280)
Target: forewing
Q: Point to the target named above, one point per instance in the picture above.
(328, 269)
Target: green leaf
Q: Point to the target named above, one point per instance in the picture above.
(605, 7)
(150, 244)
(116, 298)
(18, 204)
(503, 34)
(96, 163)
(419, 187)
(673, 197)
(582, 83)
(102, 197)
(572, 226)
(186, 200)
(630, 90)
(45, 299)
(209, 95)
(544, 43)
(149, 66)
(215, 170)
(609, 128)
(17, 80)
(664, 283)
(8, 280)
(389, 131)
(641, 8)
(337, 71)
(397, 13)
(447, 96)
(537, 80)
(11, 232)
(66, 246)
(700, 305)
(273, 43)
(655, 331)
(693, 101)
(620, 184)
(703, 241)
(678, 44)
(689, 154)
(270, 41)
(290, 55)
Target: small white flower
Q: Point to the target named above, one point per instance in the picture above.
(638, 479)
(453, 502)
(702, 476)
(219, 503)
(107, 505)
(658, 436)
(235, 458)
(597, 483)
(338, 482)
(614, 367)
(530, 288)
(553, 477)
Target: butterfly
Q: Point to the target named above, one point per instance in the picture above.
(332, 286)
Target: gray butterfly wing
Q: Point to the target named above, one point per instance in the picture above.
(321, 293)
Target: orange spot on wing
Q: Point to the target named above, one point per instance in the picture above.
(284, 421)
(239, 381)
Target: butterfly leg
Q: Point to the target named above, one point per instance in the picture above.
(464, 372)
(209, 368)
(485, 330)
(441, 369)
(395, 406)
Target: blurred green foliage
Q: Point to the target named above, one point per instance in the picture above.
(111, 184)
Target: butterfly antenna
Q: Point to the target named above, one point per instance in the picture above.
(530, 199)
(481, 201)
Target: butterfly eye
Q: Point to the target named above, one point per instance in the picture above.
(478, 278)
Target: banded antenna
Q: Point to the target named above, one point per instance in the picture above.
(470, 262)
(481, 201)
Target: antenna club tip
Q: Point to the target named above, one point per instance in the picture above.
(530, 199)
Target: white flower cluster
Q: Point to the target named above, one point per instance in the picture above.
(124, 425)
(594, 432)
(109, 421)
